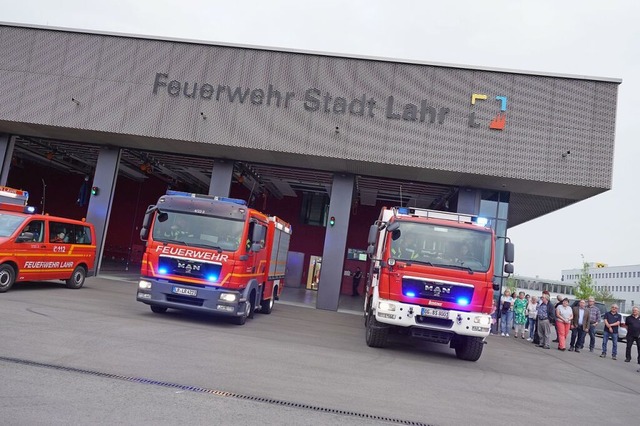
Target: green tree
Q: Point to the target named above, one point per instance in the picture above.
(604, 296)
(584, 289)
(512, 284)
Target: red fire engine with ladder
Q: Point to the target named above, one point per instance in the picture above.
(431, 277)
(212, 254)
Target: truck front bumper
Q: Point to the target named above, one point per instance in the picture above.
(440, 321)
(210, 300)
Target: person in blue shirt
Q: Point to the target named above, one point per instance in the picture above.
(612, 321)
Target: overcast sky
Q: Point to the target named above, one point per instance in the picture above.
(599, 38)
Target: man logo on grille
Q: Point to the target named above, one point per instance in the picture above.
(188, 267)
(437, 290)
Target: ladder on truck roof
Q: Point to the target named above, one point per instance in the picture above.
(13, 199)
(434, 214)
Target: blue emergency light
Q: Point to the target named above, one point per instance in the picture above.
(210, 197)
(462, 301)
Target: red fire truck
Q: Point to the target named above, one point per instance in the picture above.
(212, 254)
(431, 277)
(36, 247)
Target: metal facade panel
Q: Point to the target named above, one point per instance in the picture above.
(115, 60)
(152, 56)
(68, 113)
(82, 55)
(108, 114)
(12, 84)
(47, 55)
(16, 45)
(141, 114)
(39, 98)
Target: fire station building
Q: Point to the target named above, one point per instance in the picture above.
(98, 126)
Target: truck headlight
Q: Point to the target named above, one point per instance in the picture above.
(386, 306)
(144, 285)
(482, 320)
(229, 297)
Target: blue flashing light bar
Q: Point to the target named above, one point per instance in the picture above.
(210, 197)
(403, 210)
(410, 294)
(29, 209)
(462, 301)
(212, 278)
(163, 271)
(481, 221)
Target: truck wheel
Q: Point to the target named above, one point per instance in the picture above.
(376, 333)
(248, 306)
(158, 309)
(266, 306)
(7, 277)
(77, 278)
(469, 348)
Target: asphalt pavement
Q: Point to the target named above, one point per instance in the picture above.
(96, 356)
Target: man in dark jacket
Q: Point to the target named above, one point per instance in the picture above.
(612, 320)
(579, 326)
(553, 319)
(632, 324)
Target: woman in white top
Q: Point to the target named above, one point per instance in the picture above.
(506, 313)
(564, 315)
(532, 314)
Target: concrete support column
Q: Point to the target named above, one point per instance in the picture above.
(99, 208)
(335, 243)
(7, 144)
(221, 175)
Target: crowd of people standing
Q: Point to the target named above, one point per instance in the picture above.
(533, 317)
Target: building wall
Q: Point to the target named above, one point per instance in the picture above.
(623, 282)
(353, 115)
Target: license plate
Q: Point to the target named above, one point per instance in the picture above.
(432, 312)
(185, 291)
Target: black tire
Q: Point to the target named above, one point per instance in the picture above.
(7, 277)
(242, 319)
(76, 280)
(469, 348)
(158, 309)
(266, 306)
(376, 333)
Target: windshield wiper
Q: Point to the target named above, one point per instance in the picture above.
(448, 265)
(175, 242)
(207, 246)
(422, 262)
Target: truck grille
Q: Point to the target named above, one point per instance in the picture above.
(431, 335)
(436, 290)
(184, 300)
(189, 268)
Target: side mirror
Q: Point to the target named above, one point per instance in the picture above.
(394, 226)
(144, 234)
(508, 268)
(373, 234)
(258, 233)
(371, 249)
(256, 247)
(162, 217)
(509, 252)
(27, 236)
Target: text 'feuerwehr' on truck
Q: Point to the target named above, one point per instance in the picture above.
(212, 254)
(431, 277)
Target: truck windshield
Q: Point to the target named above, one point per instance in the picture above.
(197, 230)
(442, 246)
(9, 223)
